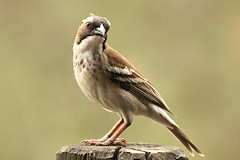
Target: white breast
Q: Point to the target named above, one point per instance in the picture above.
(87, 67)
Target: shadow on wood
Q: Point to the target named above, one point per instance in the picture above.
(133, 151)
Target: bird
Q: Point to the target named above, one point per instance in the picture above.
(107, 78)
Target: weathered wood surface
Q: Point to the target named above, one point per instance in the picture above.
(133, 151)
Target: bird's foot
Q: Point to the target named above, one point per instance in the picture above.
(93, 141)
(107, 142)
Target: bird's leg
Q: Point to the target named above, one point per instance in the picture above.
(113, 139)
(113, 130)
(107, 136)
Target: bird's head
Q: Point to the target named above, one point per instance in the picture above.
(93, 26)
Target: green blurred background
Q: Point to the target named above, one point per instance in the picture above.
(188, 49)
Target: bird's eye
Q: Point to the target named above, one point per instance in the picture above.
(88, 25)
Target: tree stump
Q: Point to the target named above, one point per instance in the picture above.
(132, 151)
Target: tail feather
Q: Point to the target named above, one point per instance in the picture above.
(182, 137)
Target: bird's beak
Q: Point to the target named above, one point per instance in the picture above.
(100, 30)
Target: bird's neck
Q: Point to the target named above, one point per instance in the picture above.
(93, 44)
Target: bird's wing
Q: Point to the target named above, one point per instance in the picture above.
(123, 73)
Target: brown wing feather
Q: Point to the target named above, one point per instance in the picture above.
(142, 88)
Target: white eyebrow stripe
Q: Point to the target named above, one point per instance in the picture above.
(108, 22)
(88, 19)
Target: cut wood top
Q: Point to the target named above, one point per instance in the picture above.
(132, 151)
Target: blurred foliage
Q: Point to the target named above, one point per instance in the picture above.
(188, 49)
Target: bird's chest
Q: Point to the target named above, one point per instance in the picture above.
(89, 73)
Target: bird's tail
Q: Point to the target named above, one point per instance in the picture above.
(185, 140)
(161, 116)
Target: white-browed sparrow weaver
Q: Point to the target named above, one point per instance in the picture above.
(109, 79)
